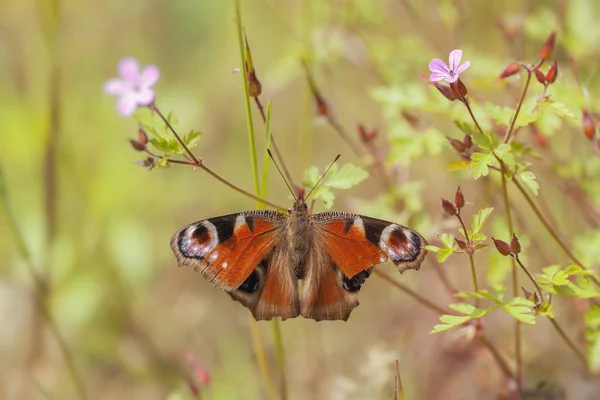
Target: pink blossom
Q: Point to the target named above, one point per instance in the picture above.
(133, 87)
(449, 73)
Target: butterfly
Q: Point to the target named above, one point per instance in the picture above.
(259, 257)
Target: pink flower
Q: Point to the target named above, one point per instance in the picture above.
(439, 69)
(133, 87)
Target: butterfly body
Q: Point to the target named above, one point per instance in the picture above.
(259, 257)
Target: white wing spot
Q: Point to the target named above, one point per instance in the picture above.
(240, 221)
(224, 265)
(358, 222)
(214, 256)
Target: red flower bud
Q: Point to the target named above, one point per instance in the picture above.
(457, 144)
(459, 199)
(365, 135)
(458, 89)
(515, 246)
(589, 128)
(548, 47)
(444, 89)
(468, 141)
(552, 72)
(461, 243)
(449, 207)
(502, 247)
(540, 76)
(142, 137)
(138, 146)
(510, 70)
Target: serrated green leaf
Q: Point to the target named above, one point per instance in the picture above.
(504, 153)
(454, 319)
(486, 141)
(325, 195)
(479, 164)
(192, 138)
(445, 253)
(546, 309)
(478, 219)
(521, 313)
(463, 308)
(348, 176)
(561, 109)
(529, 180)
(447, 240)
(466, 127)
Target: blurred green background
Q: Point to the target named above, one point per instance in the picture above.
(98, 226)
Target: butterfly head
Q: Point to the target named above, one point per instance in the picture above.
(300, 208)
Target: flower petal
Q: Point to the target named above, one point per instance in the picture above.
(149, 76)
(437, 65)
(454, 59)
(116, 87)
(451, 78)
(129, 70)
(144, 97)
(438, 76)
(126, 105)
(462, 67)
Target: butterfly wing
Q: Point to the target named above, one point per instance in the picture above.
(355, 242)
(241, 254)
(347, 248)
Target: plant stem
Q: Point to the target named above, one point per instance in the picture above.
(550, 230)
(569, 342)
(166, 121)
(515, 280)
(537, 287)
(466, 103)
(249, 123)
(40, 289)
(250, 127)
(261, 359)
(510, 130)
(471, 259)
(494, 352)
(199, 164)
(273, 142)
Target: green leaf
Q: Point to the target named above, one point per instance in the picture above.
(478, 220)
(192, 138)
(521, 313)
(529, 180)
(504, 153)
(594, 352)
(325, 195)
(348, 176)
(501, 115)
(433, 249)
(466, 127)
(592, 316)
(479, 164)
(561, 110)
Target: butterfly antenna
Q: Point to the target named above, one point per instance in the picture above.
(323, 176)
(281, 173)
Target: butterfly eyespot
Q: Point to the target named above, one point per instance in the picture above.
(250, 285)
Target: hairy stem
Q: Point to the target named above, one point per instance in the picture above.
(537, 287)
(471, 259)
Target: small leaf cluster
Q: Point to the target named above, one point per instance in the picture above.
(347, 176)
(571, 281)
(518, 307)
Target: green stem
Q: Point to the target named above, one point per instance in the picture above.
(466, 103)
(515, 279)
(514, 119)
(39, 289)
(197, 163)
(249, 123)
(537, 287)
(250, 127)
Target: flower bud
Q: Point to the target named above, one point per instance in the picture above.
(515, 246)
(461, 243)
(142, 137)
(366, 135)
(254, 86)
(552, 73)
(589, 128)
(449, 207)
(138, 146)
(458, 89)
(457, 144)
(502, 247)
(468, 141)
(444, 89)
(459, 199)
(510, 70)
(540, 76)
(548, 47)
